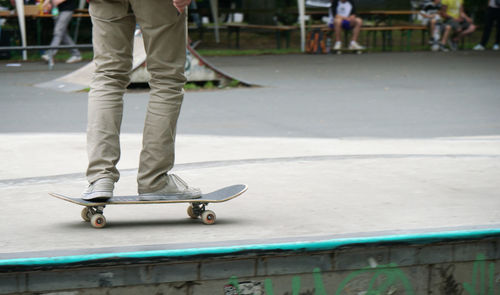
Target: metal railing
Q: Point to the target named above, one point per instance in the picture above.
(44, 47)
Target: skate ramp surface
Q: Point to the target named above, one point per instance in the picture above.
(197, 69)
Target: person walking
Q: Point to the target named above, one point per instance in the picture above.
(492, 15)
(163, 24)
(60, 35)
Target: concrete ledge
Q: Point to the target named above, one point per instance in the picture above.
(411, 263)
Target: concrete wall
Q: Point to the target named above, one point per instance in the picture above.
(459, 267)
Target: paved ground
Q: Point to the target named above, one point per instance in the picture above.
(329, 145)
(398, 95)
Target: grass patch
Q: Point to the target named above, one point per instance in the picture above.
(210, 85)
(239, 52)
(85, 90)
(189, 86)
(61, 56)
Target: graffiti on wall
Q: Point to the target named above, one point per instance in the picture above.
(376, 280)
(483, 278)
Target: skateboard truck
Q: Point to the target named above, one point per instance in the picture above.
(197, 209)
(94, 215)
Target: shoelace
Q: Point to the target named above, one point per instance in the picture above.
(179, 180)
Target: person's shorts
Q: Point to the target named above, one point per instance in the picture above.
(427, 21)
(457, 25)
(346, 25)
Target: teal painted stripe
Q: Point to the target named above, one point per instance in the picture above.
(295, 246)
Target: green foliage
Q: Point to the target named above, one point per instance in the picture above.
(6, 3)
(234, 83)
(191, 86)
(61, 56)
(236, 52)
(209, 85)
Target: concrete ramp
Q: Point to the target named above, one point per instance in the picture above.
(197, 70)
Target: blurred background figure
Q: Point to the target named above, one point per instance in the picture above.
(429, 16)
(343, 16)
(63, 16)
(492, 15)
(457, 23)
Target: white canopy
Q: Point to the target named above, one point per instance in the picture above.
(302, 21)
(22, 25)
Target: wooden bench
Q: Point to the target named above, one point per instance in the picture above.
(386, 32)
(384, 25)
(278, 29)
(9, 14)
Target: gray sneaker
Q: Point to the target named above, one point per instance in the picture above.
(101, 189)
(176, 189)
(479, 47)
(453, 45)
(73, 59)
(51, 63)
(443, 48)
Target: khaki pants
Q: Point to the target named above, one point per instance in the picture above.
(164, 33)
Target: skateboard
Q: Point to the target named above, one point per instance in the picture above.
(357, 51)
(93, 211)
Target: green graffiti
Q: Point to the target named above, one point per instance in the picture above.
(389, 274)
(268, 284)
(382, 279)
(295, 286)
(233, 281)
(479, 274)
(318, 282)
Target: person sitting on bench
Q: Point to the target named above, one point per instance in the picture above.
(429, 15)
(457, 23)
(343, 16)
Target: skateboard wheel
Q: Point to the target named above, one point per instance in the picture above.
(190, 212)
(98, 221)
(208, 217)
(86, 214)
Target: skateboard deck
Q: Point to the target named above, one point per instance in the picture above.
(93, 211)
(347, 50)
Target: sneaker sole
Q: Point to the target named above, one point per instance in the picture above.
(73, 61)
